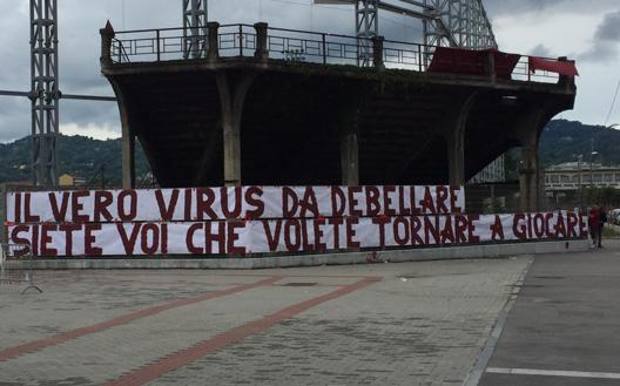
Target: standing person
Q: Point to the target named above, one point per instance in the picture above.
(602, 217)
(594, 224)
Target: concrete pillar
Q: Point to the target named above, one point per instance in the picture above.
(349, 157)
(528, 178)
(490, 65)
(232, 91)
(456, 157)
(455, 129)
(528, 134)
(568, 82)
(107, 35)
(128, 141)
(347, 127)
(377, 52)
(213, 53)
(262, 49)
(129, 158)
(214, 141)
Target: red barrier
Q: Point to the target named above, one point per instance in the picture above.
(566, 68)
(472, 62)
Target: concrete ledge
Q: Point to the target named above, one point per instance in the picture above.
(393, 256)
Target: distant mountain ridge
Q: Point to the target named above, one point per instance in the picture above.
(562, 141)
(80, 156)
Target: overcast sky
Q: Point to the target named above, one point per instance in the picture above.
(585, 30)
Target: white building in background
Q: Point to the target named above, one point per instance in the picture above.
(567, 176)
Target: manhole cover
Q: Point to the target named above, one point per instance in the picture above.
(299, 284)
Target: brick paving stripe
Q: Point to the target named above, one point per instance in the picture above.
(181, 358)
(40, 344)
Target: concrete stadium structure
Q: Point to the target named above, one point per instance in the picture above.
(268, 106)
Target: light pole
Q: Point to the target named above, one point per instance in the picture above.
(580, 179)
(592, 155)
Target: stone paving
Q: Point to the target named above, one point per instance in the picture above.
(385, 324)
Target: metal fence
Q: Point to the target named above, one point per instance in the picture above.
(522, 72)
(241, 40)
(17, 267)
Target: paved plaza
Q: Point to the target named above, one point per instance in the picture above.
(564, 328)
(384, 324)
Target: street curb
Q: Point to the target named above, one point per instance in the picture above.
(484, 357)
(348, 258)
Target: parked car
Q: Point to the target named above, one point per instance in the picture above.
(613, 217)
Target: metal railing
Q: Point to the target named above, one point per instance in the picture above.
(17, 267)
(243, 40)
(239, 40)
(522, 72)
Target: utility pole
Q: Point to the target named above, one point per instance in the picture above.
(579, 160)
(591, 165)
(592, 154)
(44, 89)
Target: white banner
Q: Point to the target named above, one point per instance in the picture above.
(248, 203)
(292, 235)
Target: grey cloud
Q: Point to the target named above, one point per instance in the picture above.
(511, 7)
(79, 24)
(609, 30)
(14, 117)
(606, 42)
(85, 113)
(541, 50)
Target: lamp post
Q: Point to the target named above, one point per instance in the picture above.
(592, 155)
(580, 179)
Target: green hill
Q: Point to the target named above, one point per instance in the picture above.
(77, 155)
(561, 141)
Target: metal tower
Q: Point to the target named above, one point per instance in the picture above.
(452, 23)
(44, 87)
(366, 27)
(44, 91)
(458, 23)
(195, 16)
